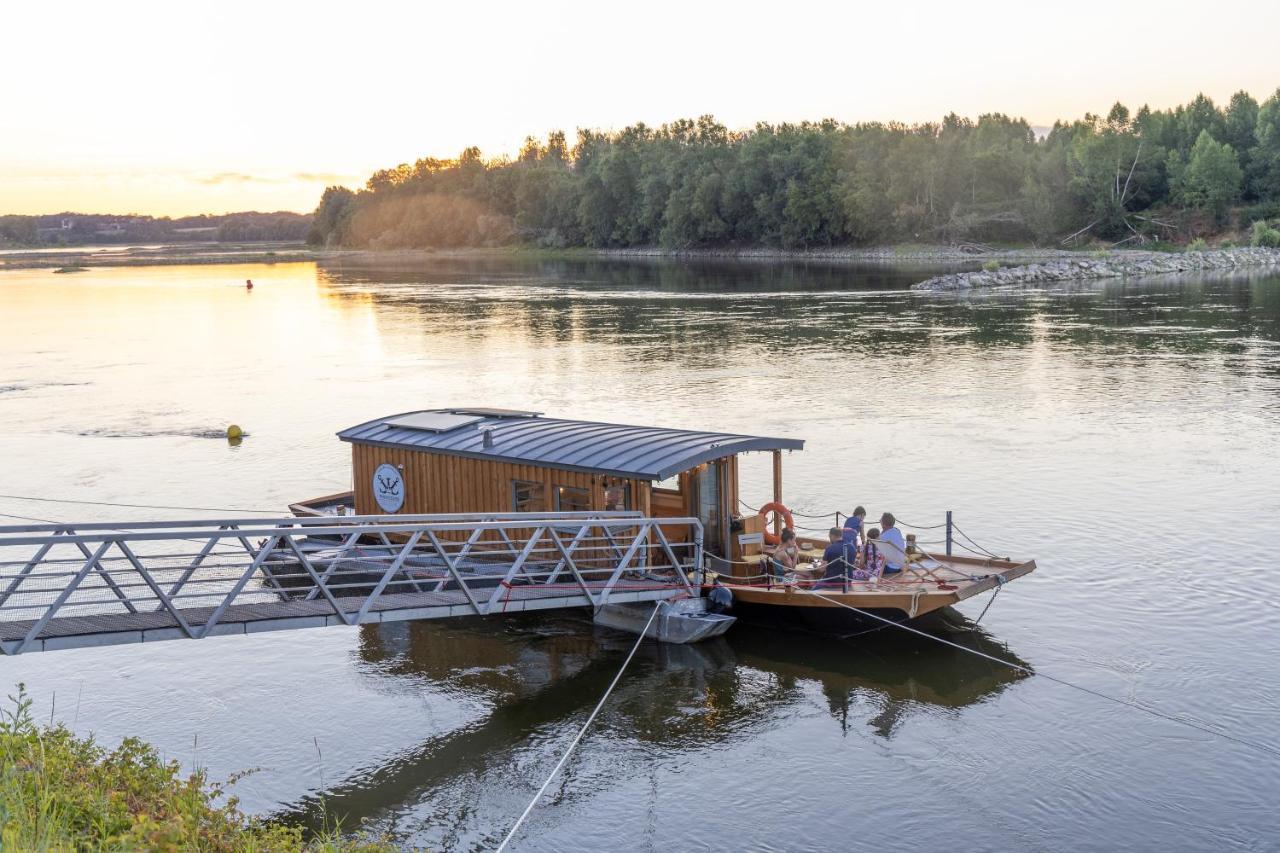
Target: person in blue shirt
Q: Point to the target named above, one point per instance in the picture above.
(838, 558)
(853, 527)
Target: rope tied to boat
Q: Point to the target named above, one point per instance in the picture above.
(1185, 721)
(582, 731)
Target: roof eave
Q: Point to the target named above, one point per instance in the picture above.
(749, 445)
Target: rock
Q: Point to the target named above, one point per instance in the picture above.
(1117, 266)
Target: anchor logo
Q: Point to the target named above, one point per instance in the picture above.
(388, 488)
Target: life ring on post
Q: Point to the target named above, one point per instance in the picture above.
(783, 513)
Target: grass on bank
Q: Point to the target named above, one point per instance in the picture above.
(61, 792)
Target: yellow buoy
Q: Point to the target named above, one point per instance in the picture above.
(234, 433)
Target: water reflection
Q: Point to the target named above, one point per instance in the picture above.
(541, 675)
(890, 670)
(683, 310)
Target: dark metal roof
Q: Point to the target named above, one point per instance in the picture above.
(645, 453)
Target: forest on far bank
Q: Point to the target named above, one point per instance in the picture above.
(1129, 178)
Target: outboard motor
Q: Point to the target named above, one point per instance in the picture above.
(719, 600)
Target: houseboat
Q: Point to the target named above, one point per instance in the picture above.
(482, 460)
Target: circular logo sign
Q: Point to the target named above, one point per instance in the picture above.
(388, 488)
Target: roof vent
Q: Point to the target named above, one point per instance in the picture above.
(488, 437)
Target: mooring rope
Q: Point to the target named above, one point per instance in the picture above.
(1189, 723)
(560, 764)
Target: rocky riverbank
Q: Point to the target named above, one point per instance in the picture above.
(1117, 265)
(216, 253)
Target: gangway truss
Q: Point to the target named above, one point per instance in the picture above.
(103, 583)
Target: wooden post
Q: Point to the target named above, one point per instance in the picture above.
(777, 490)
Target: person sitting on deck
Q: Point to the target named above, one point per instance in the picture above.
(890, 533)
(786, 555)
(853, 526)
(870, 563)
(837, 559)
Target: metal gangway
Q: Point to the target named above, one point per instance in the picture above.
(75, 585)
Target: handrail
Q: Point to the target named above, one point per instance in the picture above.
(229, 529)
(311, 521)
(68, 585)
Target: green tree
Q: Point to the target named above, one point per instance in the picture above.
(1238, 129)
(329, 223)
(1264, 171)
(1210, 179)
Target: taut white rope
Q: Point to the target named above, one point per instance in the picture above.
(591, 719)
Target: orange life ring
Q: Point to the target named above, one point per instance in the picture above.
(774, 538)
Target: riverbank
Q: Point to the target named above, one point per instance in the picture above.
(1016, 266)
(1108, 265)
(63, 792)
(77, 259)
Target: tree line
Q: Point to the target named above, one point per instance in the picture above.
(1126, 177)
(84, 228)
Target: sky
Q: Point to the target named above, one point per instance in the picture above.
(170, 108)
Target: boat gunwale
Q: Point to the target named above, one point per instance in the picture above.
(912, 595)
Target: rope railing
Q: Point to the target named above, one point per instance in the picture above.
(949, 525)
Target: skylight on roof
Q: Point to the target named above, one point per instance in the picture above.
(433, 421)
(497, 413)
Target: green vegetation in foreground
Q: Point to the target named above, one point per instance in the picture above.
(1125, 178)
(60, 792)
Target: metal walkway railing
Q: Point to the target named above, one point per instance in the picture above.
(75, 585)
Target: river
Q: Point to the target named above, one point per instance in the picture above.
(1124, 434)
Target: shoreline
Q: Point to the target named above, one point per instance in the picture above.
(1133, 263)
(76, 259)
(1022, 265)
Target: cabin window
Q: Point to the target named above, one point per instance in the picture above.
(671, 484)
(527, 497)
(572, 499)
(617, 493)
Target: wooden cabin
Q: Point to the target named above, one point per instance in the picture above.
(500, 460)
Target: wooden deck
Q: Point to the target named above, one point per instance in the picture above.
(913, 593)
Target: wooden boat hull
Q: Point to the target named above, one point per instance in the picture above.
(335, 504)
(826, 610)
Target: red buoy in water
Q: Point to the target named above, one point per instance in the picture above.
(248, 284)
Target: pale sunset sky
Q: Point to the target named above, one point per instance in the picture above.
(175, 108)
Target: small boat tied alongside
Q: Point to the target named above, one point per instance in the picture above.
(487, 460)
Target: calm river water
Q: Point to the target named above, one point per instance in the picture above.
(1126, 435)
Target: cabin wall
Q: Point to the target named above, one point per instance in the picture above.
(437, 483)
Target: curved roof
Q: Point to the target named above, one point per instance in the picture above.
(639, 452)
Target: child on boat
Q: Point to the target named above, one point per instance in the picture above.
(870, 563)
(853, 526)
(838, 558)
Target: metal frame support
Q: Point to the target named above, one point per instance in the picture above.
(168, 580)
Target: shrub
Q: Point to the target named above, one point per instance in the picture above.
(61, 792)
(1197, 245)
(991, 265)
(1264, 236)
